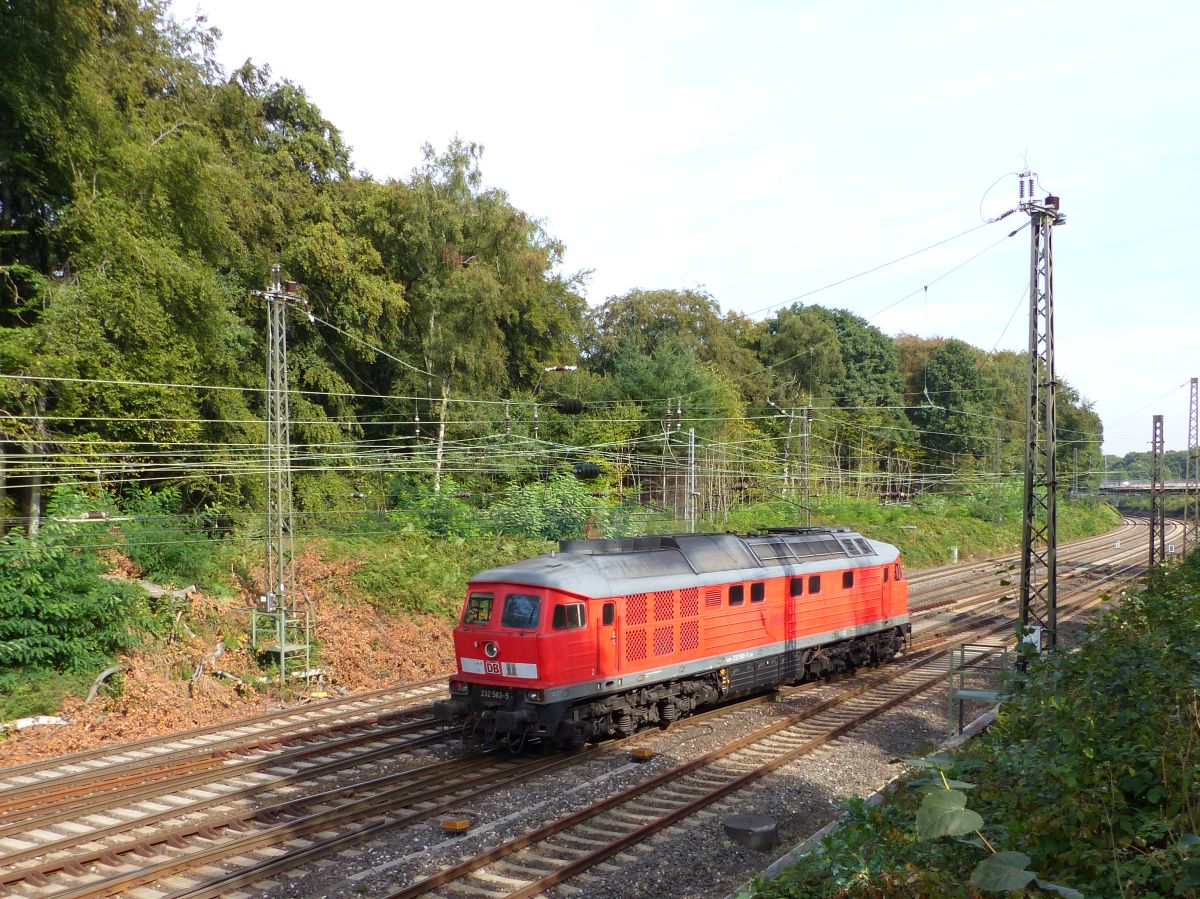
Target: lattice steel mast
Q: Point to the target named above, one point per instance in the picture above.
(280, 569)
(1158, 511)
(1038, 601)
(805, 463)
(1191, 500)
(280, 599)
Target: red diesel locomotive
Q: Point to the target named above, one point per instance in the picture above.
(605, 635)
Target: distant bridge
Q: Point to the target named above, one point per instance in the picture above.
(1180, 487)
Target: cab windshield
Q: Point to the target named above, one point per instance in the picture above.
(521, 611)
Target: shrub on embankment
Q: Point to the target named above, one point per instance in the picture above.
(61, 621)
(416, 571)
(1092, 770)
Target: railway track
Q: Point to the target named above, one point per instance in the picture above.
(270, 726)
(235, 816)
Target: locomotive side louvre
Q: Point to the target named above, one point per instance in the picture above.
(650, 628)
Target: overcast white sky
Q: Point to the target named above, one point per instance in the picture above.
(762, 150)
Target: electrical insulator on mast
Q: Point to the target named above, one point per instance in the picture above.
(507, 419)
(417, 422)
(1025, 183)
(679, 414)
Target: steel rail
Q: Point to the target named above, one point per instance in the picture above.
(414, 777)
(74, 788)
(34, 769)
(235, 770)
(366, 809)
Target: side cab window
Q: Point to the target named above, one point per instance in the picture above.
(569, 616)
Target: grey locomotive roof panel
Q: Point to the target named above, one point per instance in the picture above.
(598, 568)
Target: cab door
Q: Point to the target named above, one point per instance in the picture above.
(608, 656)
(885, 597)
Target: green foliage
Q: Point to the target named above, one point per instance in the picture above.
(1002, 872)
(56, 611)
(557, 509)
(688, 318)
(416, 573)
(1103, 744)
(1137, 466)
(171, 546)
(40, 691)
(956, 401)
(925, 530)
(875, 854)
(943, 813)
(436, 513)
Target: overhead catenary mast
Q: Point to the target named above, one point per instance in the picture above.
(1191, 502)
(1158, 511)
(281, 618)
(1038, 599)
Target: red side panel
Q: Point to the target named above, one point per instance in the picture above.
(676, 626)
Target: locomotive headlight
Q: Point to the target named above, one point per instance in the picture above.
(491, 650)
(459, 686)
(535, 695)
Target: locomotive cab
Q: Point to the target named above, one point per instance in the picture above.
(513, 641)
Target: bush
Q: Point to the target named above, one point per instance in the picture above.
(422, 574)
(557, 509)
(437, 513)
(56, 611)
(170, 546)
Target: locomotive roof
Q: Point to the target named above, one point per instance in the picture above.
(599, 568)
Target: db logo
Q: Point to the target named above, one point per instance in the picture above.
(491, 667)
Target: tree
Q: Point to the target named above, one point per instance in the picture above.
(802, 348)
(957, 414)
(485, 305)
(870, 364)
(690, 316)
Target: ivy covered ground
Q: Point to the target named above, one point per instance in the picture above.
(1087, 785)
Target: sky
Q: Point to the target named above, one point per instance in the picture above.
(764, 150)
